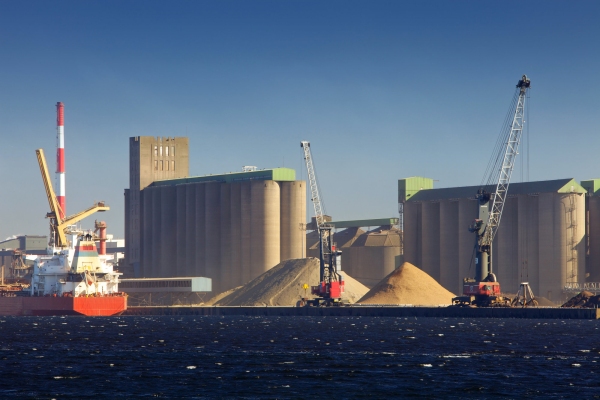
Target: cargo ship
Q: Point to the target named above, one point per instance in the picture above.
(71, 280)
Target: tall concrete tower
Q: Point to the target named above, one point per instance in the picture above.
(150, 159)
(60, 157)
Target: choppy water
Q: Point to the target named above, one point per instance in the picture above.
(297, 357)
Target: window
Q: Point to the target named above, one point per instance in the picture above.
(172, 150)
(161, 151)
(161, 165)
(173, 165)
(156, 165)
(167, 151)
(155, 151)
(167, 163)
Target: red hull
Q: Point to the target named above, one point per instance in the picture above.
(89, 306)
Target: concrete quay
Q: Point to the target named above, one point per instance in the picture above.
(375, 311)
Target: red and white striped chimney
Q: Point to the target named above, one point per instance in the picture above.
(60, 157)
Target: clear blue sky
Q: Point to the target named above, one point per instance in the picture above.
(382, 89)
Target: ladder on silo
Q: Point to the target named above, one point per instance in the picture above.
(571, 222)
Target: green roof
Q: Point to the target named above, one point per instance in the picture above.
(567, 185)
(591, 185)
(275, 174)
(364, 222)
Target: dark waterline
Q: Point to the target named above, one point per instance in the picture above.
(297, 357)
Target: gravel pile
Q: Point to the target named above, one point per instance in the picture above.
(283, 285)
(408, 285)
(584, 299)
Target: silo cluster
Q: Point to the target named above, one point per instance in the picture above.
(540, 240)
(230, 232)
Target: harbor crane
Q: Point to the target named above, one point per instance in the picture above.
(484, 289)
(331, 284)
(60, 227)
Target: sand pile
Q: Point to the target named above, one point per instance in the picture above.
(584, 299)
(408, 285)
(282, 286)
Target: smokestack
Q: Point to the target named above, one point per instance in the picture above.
(60, 157)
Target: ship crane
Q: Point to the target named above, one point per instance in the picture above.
(484, 289)
(60, 227)
(331, 285)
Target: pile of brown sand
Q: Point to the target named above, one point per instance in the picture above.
(283, 284)
(408, 285)
(584, 299)
(218, 297)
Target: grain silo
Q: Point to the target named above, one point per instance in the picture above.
(236, 233)
(374, 255)
(225, 227)
(540, 239)
(293, 203)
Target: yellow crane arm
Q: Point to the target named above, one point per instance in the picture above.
(52, 201)
(73, 219)
(59, 225)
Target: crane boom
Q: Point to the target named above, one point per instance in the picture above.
(59, 226)
(488, 222)
(314, 188)
(508, 163)
(331, 285)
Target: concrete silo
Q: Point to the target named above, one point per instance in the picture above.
(505, 261)
(265, 226)
(293, 212)
(200, 265)
(430, 231)
(181, 231)
(541, 236)
(226, 273)
(467, 212)
(246, 230)
(592, 186)
(190, 238)
(236, 234)
(212, 216)
(373, 255)
(167, 234)
(449, 237)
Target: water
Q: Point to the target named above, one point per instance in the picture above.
(297, 357)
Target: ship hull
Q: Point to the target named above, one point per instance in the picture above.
(46, 306)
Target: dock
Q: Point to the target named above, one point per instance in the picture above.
(373, 311)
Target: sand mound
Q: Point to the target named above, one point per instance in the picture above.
(584, 299)
(218, 297)
(408, 285)
(282, 286)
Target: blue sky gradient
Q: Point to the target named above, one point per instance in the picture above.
(382, 89)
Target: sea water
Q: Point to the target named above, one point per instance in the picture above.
(297, 357)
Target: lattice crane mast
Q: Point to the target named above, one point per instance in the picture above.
(331, 285)
(484, 289)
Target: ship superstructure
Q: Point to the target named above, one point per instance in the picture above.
(75, 270)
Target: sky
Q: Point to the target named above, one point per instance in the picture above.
(383, 90)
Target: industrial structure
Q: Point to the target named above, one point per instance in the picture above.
(367, 256)
(542, 239)
(230, 228)
(165, 291)
(60, 158)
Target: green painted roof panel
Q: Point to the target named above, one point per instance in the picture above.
(465, 192)
(275, 174)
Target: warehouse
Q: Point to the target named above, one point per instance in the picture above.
(541, 239)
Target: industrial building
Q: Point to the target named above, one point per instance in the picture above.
(230, 228)
(12, 253)
(548, 236)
